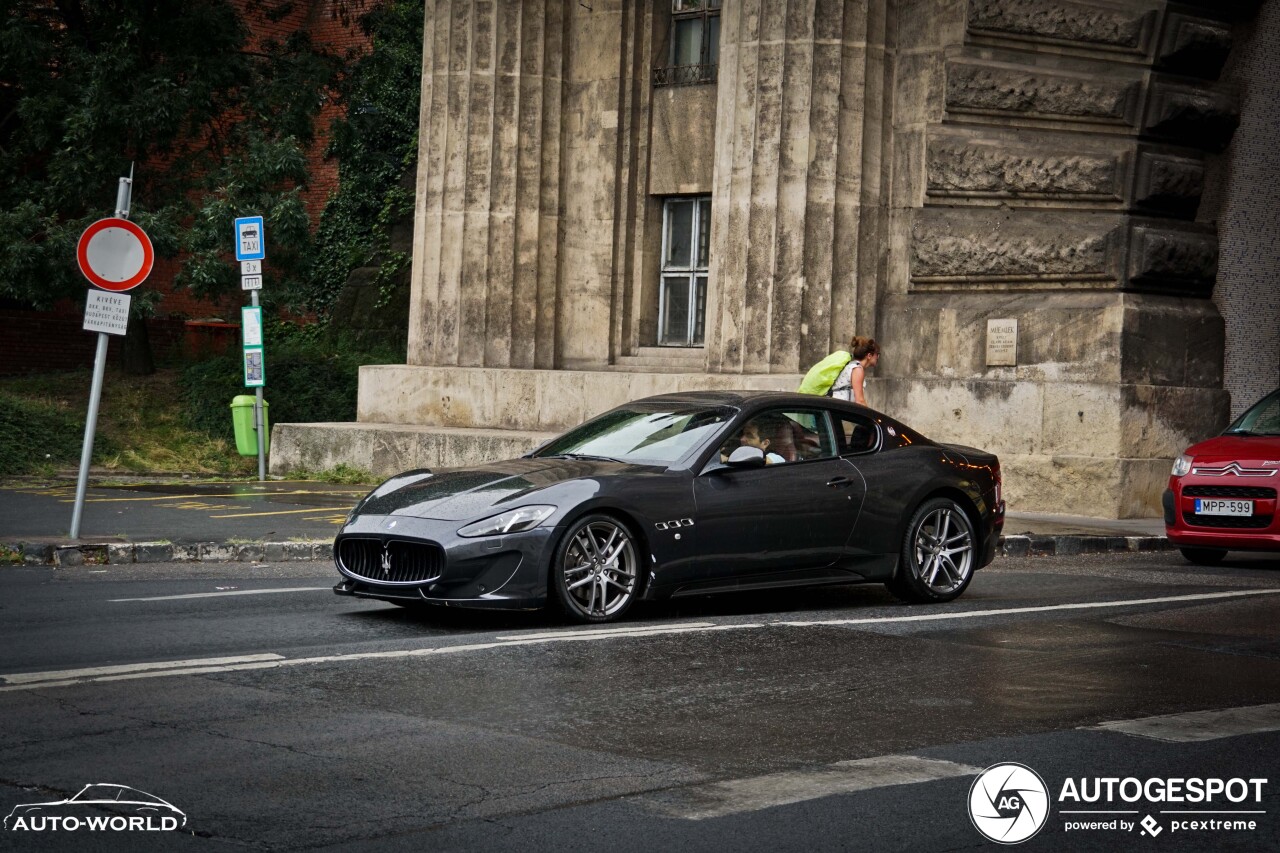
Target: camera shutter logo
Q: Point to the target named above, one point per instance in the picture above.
(1008, 803)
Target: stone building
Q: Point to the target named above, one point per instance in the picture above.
(617, 198)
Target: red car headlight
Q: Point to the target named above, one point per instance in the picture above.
(1182, 465)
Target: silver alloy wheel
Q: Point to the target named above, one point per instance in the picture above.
(600, 569)
(944, 549)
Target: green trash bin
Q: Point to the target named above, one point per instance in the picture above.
(242, 418)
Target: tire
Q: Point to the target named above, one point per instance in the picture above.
(595, 573)
(939, 554)
(1204, 556)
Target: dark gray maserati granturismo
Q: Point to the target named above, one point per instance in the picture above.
(683, 494)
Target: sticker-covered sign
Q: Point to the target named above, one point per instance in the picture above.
(255, 375)
(107, 312)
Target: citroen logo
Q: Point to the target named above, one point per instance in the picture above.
(386, 563)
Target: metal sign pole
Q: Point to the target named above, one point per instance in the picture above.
(257, 416)
(95, 390)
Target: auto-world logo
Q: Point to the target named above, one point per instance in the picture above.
(1008, 803)
(97, 808)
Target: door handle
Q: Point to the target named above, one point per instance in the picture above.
(839, 482)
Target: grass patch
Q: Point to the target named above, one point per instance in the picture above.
(141, 427)
(343, 475)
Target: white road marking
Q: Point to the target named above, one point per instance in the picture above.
(236, 592)
(625, 632)
(1083, 605)
(98, 673)
(717, 799)
(1195, 726)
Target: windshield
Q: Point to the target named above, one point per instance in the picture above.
(1263, 418)
(641, 435)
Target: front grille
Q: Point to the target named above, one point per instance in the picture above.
(394, 561)
(1233, 468)
(1228, 492)
(1239, 522)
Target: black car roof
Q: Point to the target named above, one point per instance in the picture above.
(750, 401)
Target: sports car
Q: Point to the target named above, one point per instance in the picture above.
(683, 494)
(1222, 492)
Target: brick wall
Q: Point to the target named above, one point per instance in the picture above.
(41, 341)
(36, 341)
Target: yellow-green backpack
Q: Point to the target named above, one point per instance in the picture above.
(823, 375)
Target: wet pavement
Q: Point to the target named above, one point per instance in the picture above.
(223, 520)
(277, 511)
(279, 716)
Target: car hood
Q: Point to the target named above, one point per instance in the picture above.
(1248, 450)
(457, 494)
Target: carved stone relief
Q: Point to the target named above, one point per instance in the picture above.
(1077, 22)
(1194, 46)
(1168, 181)
(1191, 115)
(1022, 91)
(1186, 260)
(957, 169)
(944, 252)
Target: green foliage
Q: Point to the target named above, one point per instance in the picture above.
(375, 144)
(36, 436)
(213, 130)
(309, 379)
(343, 475)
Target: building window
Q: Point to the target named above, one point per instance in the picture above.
(695, 44)
(682, 298)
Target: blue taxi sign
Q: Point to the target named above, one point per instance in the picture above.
(251, 244)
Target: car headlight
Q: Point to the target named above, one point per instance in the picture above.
(1182, 465)
(511, 521)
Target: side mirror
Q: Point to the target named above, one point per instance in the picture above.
(746, 457)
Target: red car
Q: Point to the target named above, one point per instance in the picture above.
(1222, 493)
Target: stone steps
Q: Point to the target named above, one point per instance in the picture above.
(387, 449)
(663, 360)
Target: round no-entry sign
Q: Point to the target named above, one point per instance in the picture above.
(115, 254)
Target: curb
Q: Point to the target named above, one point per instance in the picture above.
(1069, 545)
(67, 556)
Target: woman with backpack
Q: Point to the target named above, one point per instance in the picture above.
(841, 375)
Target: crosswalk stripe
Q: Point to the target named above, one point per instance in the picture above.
(1194, 726)
(735, 796)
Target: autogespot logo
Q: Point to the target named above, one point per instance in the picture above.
(1008, 803)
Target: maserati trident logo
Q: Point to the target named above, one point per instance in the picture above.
(1008, 803)
(386, 562)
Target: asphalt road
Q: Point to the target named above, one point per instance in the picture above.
(278, 510)
(276, 715)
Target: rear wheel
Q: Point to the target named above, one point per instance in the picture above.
(939, 553)
(596, 570)
(1204, 556)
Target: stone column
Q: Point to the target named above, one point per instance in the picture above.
(486, 240)
(798, 129)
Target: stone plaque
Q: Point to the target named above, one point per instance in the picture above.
(1002, 343)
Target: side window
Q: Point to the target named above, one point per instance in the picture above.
(786, 436)
(856, 434)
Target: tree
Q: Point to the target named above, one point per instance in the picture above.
(214, 131)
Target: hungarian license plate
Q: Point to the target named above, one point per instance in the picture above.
(1216, 506)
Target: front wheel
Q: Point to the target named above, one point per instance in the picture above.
(596, 571)
(1204, 556)
(938, 553)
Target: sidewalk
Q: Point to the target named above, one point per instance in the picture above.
(294, 520)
